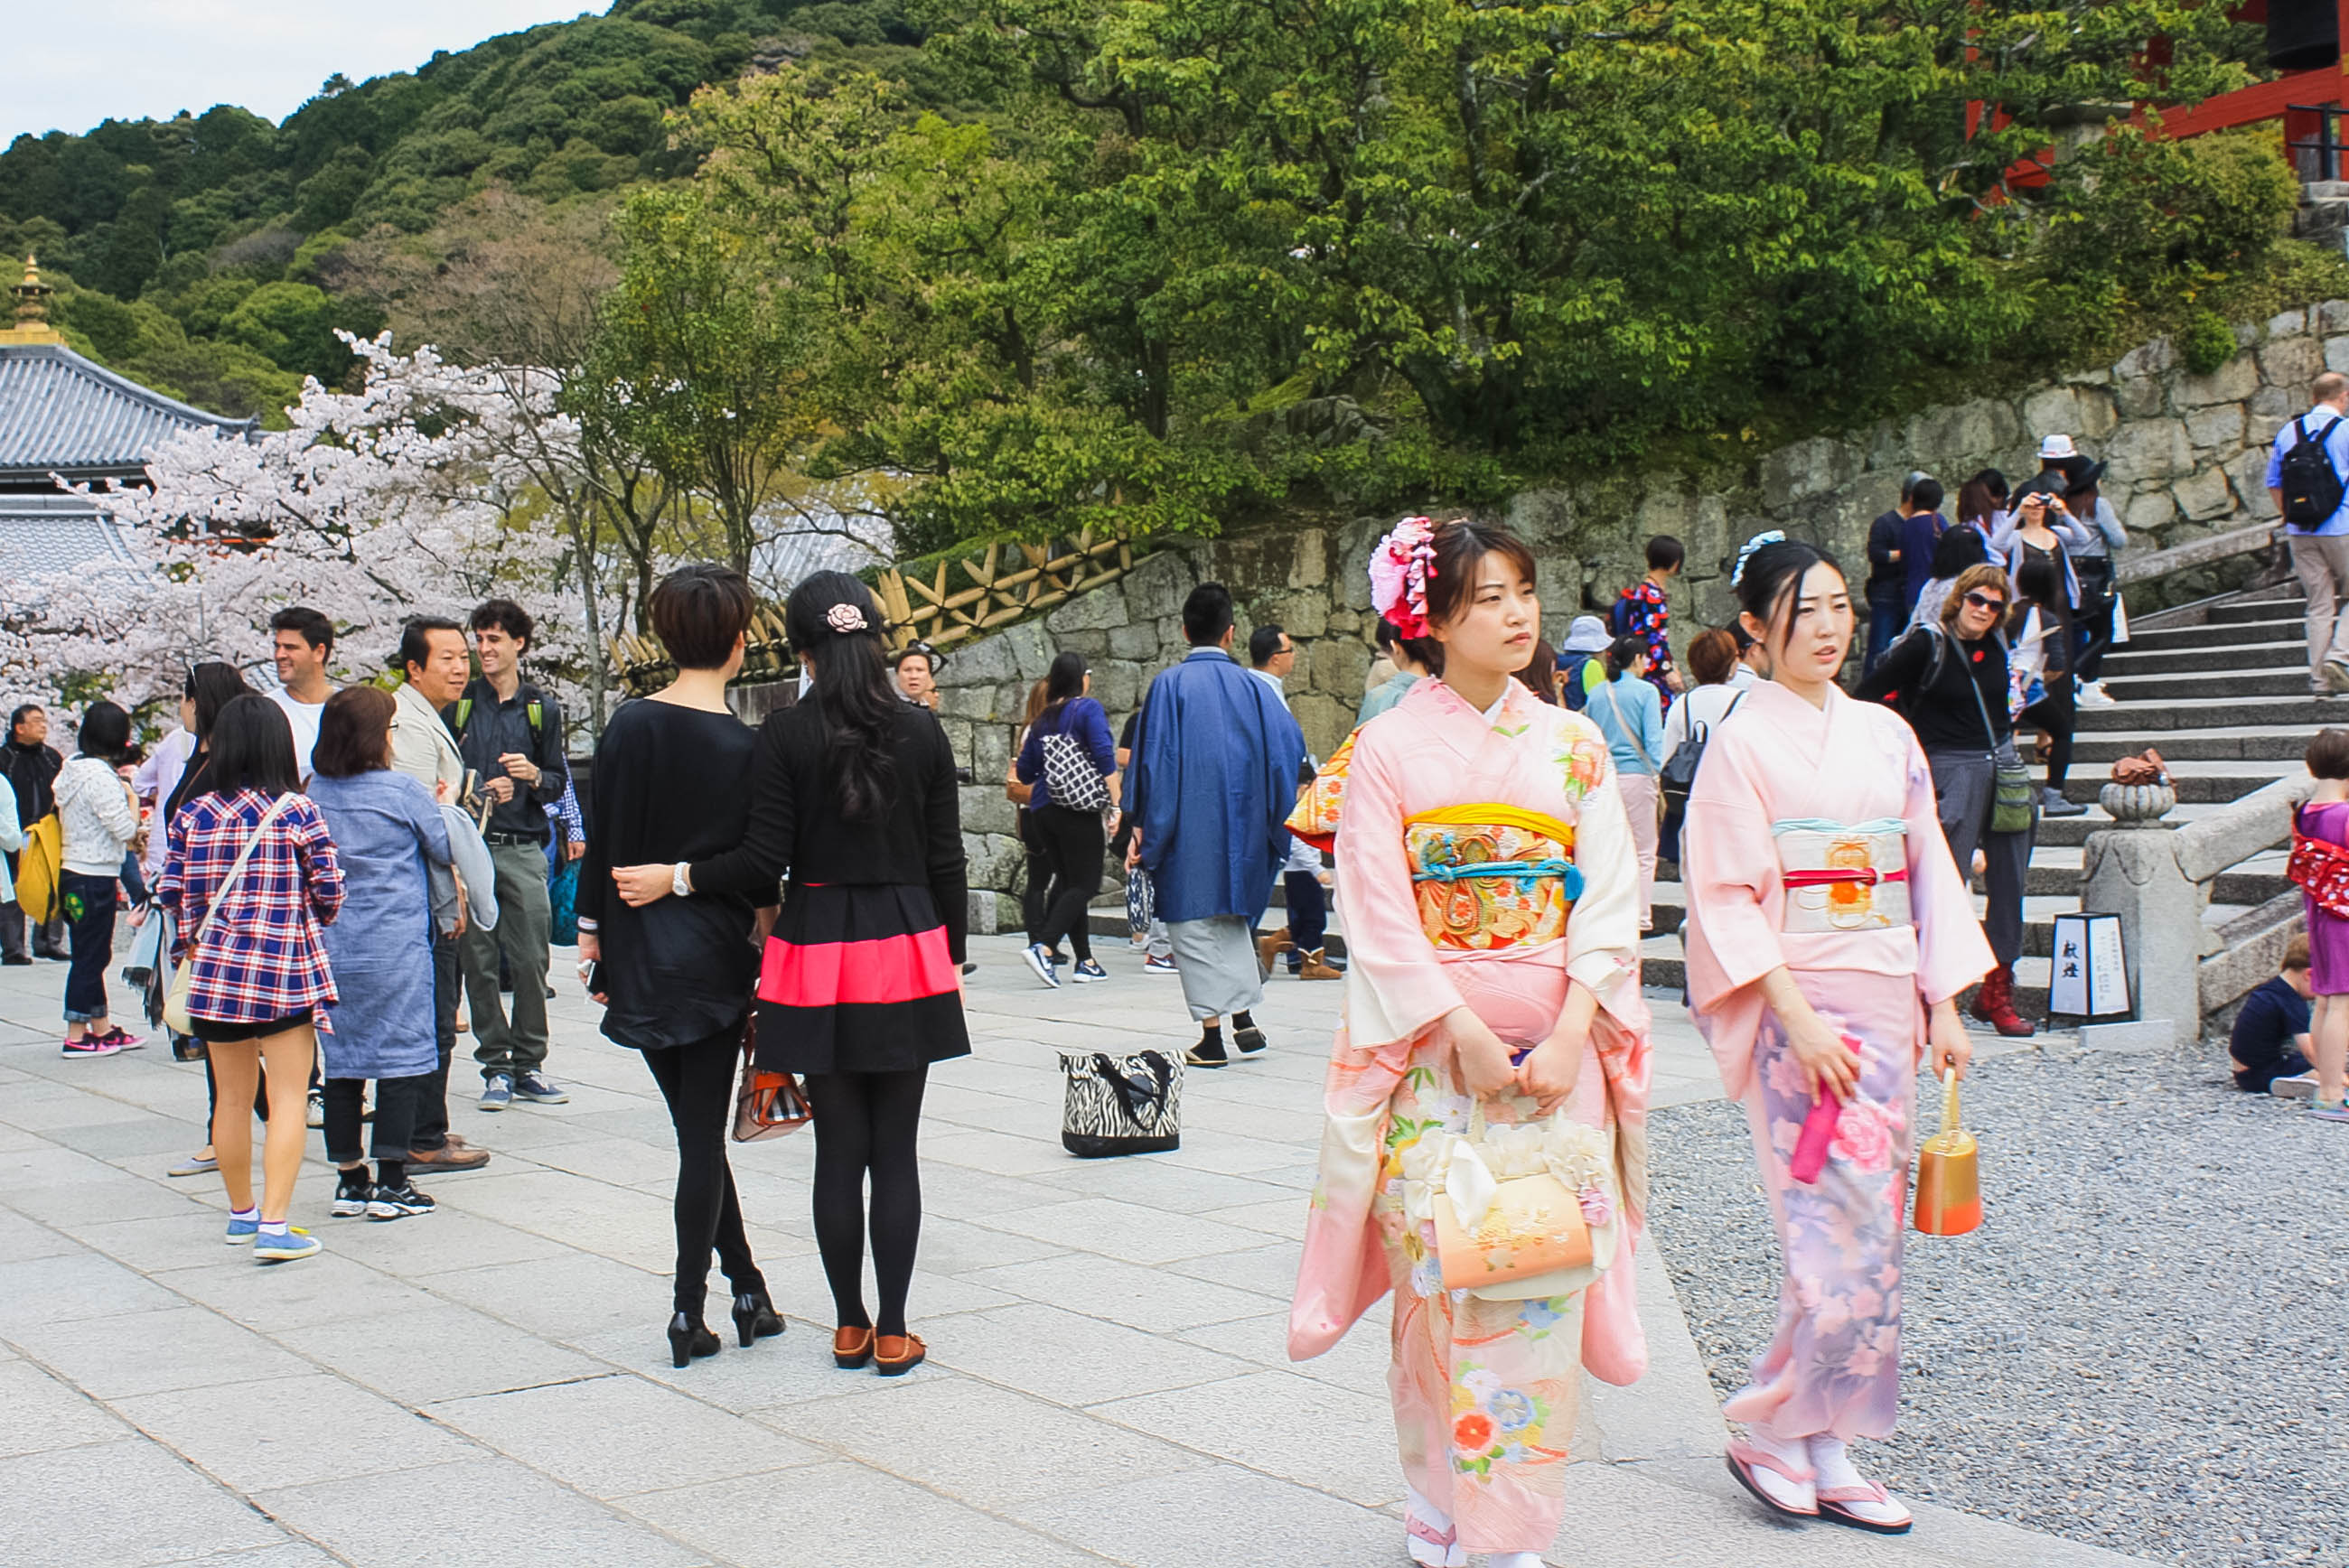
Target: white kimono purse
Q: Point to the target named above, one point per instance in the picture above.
(1521, 1212)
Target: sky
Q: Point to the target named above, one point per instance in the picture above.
(69, 64)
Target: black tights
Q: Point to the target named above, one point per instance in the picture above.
(2057, 713)
(868, 1121)
(697, 1081)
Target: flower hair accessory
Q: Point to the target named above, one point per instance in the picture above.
(1399, 568)
(844, 618)
(1768, 536)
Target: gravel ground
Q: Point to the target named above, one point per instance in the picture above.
(2145, 1345)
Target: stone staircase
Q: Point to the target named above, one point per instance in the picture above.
(2220, 688)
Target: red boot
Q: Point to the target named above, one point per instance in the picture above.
(1994, 1006)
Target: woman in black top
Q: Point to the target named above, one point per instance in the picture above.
(854, 793)
(1950, 681)
(672, 781)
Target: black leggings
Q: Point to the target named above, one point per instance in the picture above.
(2057, 713)
(1074, 842)
(868, 1121)
(697, 1081)
(395, 1099)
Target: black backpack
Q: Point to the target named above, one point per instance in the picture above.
(1900, 701)
(2311, 489)
(1678, 775)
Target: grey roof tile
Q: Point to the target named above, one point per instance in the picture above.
(60, 413)
(42, 534)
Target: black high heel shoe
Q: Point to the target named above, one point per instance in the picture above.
(754, 1317)
(689, 1337)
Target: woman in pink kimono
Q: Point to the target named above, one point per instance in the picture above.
(1489, 887)
(1823, 912)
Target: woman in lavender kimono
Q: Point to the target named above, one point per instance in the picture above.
(1489, 885)
(1829, 936)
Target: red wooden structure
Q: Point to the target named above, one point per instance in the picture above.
(2309, 102)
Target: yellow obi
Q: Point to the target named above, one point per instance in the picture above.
(1490, 876)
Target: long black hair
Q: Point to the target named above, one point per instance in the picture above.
(1769, 581)
(833, 618)
(1063, 683)
(253, 749)
(211, 687)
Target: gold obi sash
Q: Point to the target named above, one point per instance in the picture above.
(1490, 876)
(1842, 876)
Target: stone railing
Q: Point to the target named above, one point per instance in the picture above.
(2158, 878)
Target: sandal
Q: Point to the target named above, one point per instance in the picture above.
(898, 1366)
(1431, 1548)
(851, 1347)
(1832, 1500)
(1745, 1457)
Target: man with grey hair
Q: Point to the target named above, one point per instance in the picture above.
(2310, 497)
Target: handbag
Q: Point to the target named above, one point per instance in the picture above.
(1140, 900)
(1121, 1105)
(183, 978)
(1678, 775)
(1070, 774)
(1520, 1212)
(1632, 735)
(767, 1104)
(2319, 868)
(40, 865)
(1949, 1172)
(2009, 781)
(563, 906)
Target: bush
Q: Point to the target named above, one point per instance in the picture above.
(2206, 342)
(2147, 210)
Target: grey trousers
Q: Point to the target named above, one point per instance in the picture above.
(1215, 960)
(1962, 791)
(47, 939)
(2322, 564)
(516, 1044)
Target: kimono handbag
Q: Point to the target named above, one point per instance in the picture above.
(1121, 1105)
(1520, 1212)
(183, 978)
(1949, 1172)
(2319, 868)
(1315, 820)
(766, 1105)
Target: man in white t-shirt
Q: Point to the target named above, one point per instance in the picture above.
(303, 641)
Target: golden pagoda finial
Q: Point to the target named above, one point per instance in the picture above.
(32, 310)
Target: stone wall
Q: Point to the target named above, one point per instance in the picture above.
(2187, 457)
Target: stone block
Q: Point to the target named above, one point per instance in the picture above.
(2140, 396)
(2287, 324)
(1117, 685)
(1535, 515)
(2098, 415)
(2336, 357)
(985, 808)
(2151, 449)
(1095, 612)
(1807, 468)
(1325, 719)
(1304, 613)
(2333, 315)
(2204, 496)
(2230, 383)
(1158, 584)
(2146, 359)
(1033, 649)
(993, 860)
(2276, 404)
(1170, 635)
(1310, 568)
(2052, 409)
(988, 749)
(967, 702)
(2149, 512)
(2292, 363)
(986, 662)
(2249, 471)
(2219, 425)
(1133, 642)
(1951, 433)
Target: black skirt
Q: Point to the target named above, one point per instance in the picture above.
(857, 978)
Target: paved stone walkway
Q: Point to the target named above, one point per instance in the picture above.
(489, 1385)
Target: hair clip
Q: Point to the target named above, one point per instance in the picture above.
(844, 618)
(1766, 537)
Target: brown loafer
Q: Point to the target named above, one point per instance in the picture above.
(457, 1156)
(852, 1348)
(909, 1348)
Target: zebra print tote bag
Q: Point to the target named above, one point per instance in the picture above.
(1121, 1105)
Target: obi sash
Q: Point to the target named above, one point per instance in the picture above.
(1490, 876)
(1842, 876)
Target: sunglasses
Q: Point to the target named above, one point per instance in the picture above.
(1984, 602)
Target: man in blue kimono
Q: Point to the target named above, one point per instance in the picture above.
(1212, 782)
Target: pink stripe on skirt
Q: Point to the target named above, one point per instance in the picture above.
(885, 969)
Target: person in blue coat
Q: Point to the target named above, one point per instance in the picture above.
(386, 830)
(1211, 785)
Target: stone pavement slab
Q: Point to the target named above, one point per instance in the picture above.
(488, 1386)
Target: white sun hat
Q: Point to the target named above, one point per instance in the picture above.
(2054, 448)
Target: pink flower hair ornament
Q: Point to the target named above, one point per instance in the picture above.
(844, 618)
(1399, 568)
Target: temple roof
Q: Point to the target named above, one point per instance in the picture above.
(42, 535)
(61, 414)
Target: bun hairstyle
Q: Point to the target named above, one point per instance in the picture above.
(832, 618)
(1621, 652)
(1459, 543)
(1769, 577)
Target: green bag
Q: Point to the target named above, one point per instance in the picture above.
(2012, 809)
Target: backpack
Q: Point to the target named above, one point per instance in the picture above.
(1678, 775)
(535, 711)
(1618, 618)
(2311, 489)
(1898, 701)
(1573, 670)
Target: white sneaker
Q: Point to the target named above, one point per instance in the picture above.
(2336, 676)
(2299, 1085)
(2093, 695)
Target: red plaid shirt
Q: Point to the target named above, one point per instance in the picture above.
(258, 957)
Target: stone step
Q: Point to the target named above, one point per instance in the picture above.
(2282, 601)
(1662, 965)
(2246, 711)
(2055, 870)
(2279, 742)
(2163, 639)
(2198, 783)
(2206, 688)
(2130, 661)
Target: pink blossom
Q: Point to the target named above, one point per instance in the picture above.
(1861, 1139)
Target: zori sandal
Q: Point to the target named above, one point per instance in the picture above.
(1431, 1548)
(851, 1347)
(1744, 1460)
(1864, 1507)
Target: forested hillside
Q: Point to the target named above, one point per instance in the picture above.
(201, 253)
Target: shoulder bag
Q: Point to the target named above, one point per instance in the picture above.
(2010, 790)
(1070, 772)
(1633, 737)
(2319, 868)
(183, 978)
(1678, 775)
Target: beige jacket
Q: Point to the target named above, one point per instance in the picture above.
(421, 745)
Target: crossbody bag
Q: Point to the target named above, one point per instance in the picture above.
(2010, 789)
(1633, 737)
(183, 978)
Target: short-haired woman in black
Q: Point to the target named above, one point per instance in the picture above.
(673, 783)
(861, 988)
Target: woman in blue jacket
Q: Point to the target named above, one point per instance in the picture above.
(1073, 732)
(1631, 714)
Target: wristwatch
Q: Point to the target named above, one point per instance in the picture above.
(678, 882)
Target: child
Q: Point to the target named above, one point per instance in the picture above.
(1644, 611)
(2269, 1047)
(2326, 817)
(1302, 880)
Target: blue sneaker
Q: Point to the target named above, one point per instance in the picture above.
(296, 1245)
(1089, 970)
(1039, 959)
(539, 1089)
(2338, 1110)
(496, 1093)
(242, 1232)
